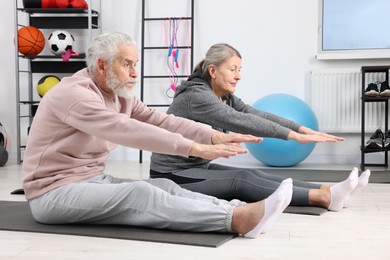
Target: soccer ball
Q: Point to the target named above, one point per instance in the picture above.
(60, 41)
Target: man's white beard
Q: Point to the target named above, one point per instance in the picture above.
(119, 88)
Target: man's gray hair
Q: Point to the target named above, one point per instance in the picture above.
(106, 46)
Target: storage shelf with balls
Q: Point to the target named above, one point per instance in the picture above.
(29, 102)
(55, 64)
(45, 51)
(57, 11)
(65, 18)
(51, 57)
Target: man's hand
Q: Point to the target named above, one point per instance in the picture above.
(222, 138)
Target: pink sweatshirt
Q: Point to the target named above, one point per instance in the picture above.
(77, 125)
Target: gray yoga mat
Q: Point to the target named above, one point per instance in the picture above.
(16, 216)
(315, 211)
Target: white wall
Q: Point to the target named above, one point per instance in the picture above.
(7, 73)
(277, 39)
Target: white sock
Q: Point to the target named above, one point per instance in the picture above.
(340, 191)
(273, 207)
(363, 181)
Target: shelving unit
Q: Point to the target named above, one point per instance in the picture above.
(144, 49)
(26, 66)
(365, 100)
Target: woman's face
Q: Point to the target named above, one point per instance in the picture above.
(225, 77)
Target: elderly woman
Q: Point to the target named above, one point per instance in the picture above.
(208, 97)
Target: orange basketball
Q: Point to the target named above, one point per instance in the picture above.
(31, 41)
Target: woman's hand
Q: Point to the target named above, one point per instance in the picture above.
(307, 135)
(224, 145)
(306, 130)
(214, 151)
(222, 138)
(307, 138)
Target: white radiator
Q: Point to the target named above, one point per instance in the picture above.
(335, 97)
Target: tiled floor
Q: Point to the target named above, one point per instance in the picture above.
(359, 232)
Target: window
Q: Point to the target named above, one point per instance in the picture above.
(354, 29)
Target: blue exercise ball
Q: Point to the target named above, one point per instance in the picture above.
(284, 153)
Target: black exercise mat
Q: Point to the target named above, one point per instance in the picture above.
(16, 216)
(315, 211)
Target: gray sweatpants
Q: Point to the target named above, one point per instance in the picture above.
(246, 184)
(156, 203)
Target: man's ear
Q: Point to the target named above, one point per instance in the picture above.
(101, 65)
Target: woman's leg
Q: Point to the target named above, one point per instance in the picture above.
(174, 189)
(333, 197)
(252, 185)
(240, 183)
(269, 177)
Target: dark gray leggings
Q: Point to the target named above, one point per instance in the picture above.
(245, 184)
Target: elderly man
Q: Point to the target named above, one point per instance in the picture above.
(85, 116)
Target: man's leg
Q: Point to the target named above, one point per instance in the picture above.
(137, 203)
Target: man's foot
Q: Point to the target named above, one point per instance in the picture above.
(258, 217)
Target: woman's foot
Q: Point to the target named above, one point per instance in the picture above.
(362, 182)
(340, 191)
